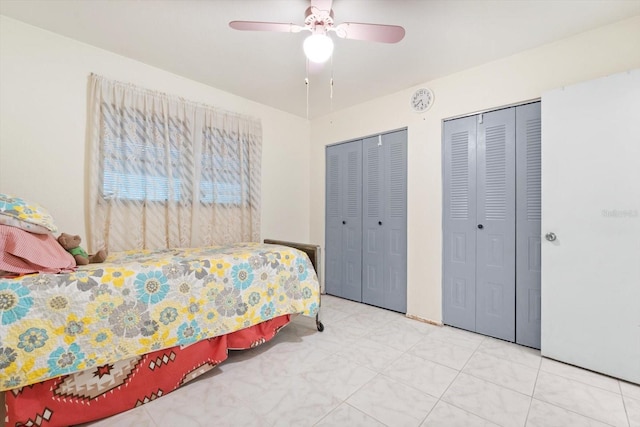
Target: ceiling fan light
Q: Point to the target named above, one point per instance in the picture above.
(318, 47)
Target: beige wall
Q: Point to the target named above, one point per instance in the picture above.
(514, 79)
(43, 78)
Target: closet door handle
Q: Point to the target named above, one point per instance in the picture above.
(344, 222)
(480, 226)
(379, 222)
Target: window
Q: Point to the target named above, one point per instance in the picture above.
(144, 159)
(166, 172)
(223, 166)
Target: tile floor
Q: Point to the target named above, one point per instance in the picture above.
(372, 367)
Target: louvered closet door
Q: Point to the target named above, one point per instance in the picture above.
(459, 223)
(395, 221)
(352, 221)
(333, 222)
(373, 236)
(385, 221)
(344, 220)
(528, 220)
(495, 240)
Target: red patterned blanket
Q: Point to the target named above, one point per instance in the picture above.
(106, 390)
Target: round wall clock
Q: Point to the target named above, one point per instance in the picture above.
(421, 100)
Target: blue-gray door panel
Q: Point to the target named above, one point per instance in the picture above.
(495, 217)
(352, 221)
(333, 226)
(528, 222)
(459, 223)
(373, 239)
(394, 222)
(343, 230)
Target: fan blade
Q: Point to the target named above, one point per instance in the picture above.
(370, 32)
(265, 26)
(322, 4)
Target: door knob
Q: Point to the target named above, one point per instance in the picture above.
(550, 236)
(480, 226)
(379, 222)
(344, 222)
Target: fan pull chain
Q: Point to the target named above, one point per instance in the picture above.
(306, 82)
(331, 88)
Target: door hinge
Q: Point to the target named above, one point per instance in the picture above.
(480, 118)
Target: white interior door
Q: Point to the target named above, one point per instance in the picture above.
(591, 202)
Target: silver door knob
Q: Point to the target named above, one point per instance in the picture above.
(550, 236)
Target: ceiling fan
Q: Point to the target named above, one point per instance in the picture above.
(319, 21)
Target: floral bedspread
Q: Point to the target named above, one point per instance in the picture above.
(141, 301)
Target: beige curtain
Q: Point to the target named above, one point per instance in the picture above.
(165, 172)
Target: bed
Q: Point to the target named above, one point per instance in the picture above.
(86, 344)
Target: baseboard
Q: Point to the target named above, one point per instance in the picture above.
(423, 320)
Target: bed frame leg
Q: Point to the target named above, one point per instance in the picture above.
(319, 324)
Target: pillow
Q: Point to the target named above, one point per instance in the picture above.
(17, 212)
(23, 225)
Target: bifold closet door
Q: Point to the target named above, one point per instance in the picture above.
(528, 224)
(479, 224)
(459, 223)
(366, 220)
(384, 244)
(344, 220)
(496, 220)
(491, 224)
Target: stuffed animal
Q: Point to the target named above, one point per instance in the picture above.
(72, 245)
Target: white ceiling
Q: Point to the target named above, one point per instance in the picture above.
(192, 38)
